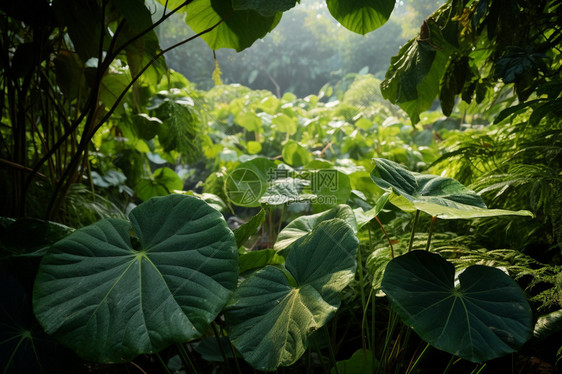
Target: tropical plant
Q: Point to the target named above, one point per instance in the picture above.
(338, 251)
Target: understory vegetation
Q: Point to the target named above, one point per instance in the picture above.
(407, 221)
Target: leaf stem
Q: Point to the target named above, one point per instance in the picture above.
(448, 368)
(185, 357)
(163, 363)
(430, 233)
(417, 359)
(320, 357)
(370, 338)
(413, 230)
(331, 349)
(373, 337)
(387, 237)
(392, 321)
(479, 369)
(362, 292)
(223, 353)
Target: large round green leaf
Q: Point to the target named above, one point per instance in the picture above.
(273, 312)
(484, 317)
(438, 196)
(236, 29)
(116, 289)
(361, 16)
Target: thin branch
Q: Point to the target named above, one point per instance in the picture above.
(55, 202)
(20, 167)
(141, 72)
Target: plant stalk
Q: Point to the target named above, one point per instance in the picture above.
(411, 368)
(430, 233)
(387, 237)
(413, 230)
(185, 356)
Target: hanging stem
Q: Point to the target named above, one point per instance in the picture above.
(430, 232)
(413, 230)
(387, 237)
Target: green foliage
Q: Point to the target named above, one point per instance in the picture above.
(274, 311)
(93, 122)
(466, 48)
(163, 182)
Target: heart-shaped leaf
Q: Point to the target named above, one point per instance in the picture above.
(412, 80)
(438, 196)
(116, 289)
(361, 16)
(486, 316)
(273, 312)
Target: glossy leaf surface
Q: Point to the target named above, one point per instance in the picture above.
(437, 196)
(486, 316)
(117, 289)
(237, 29)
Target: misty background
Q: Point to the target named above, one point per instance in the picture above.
(307, 50)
